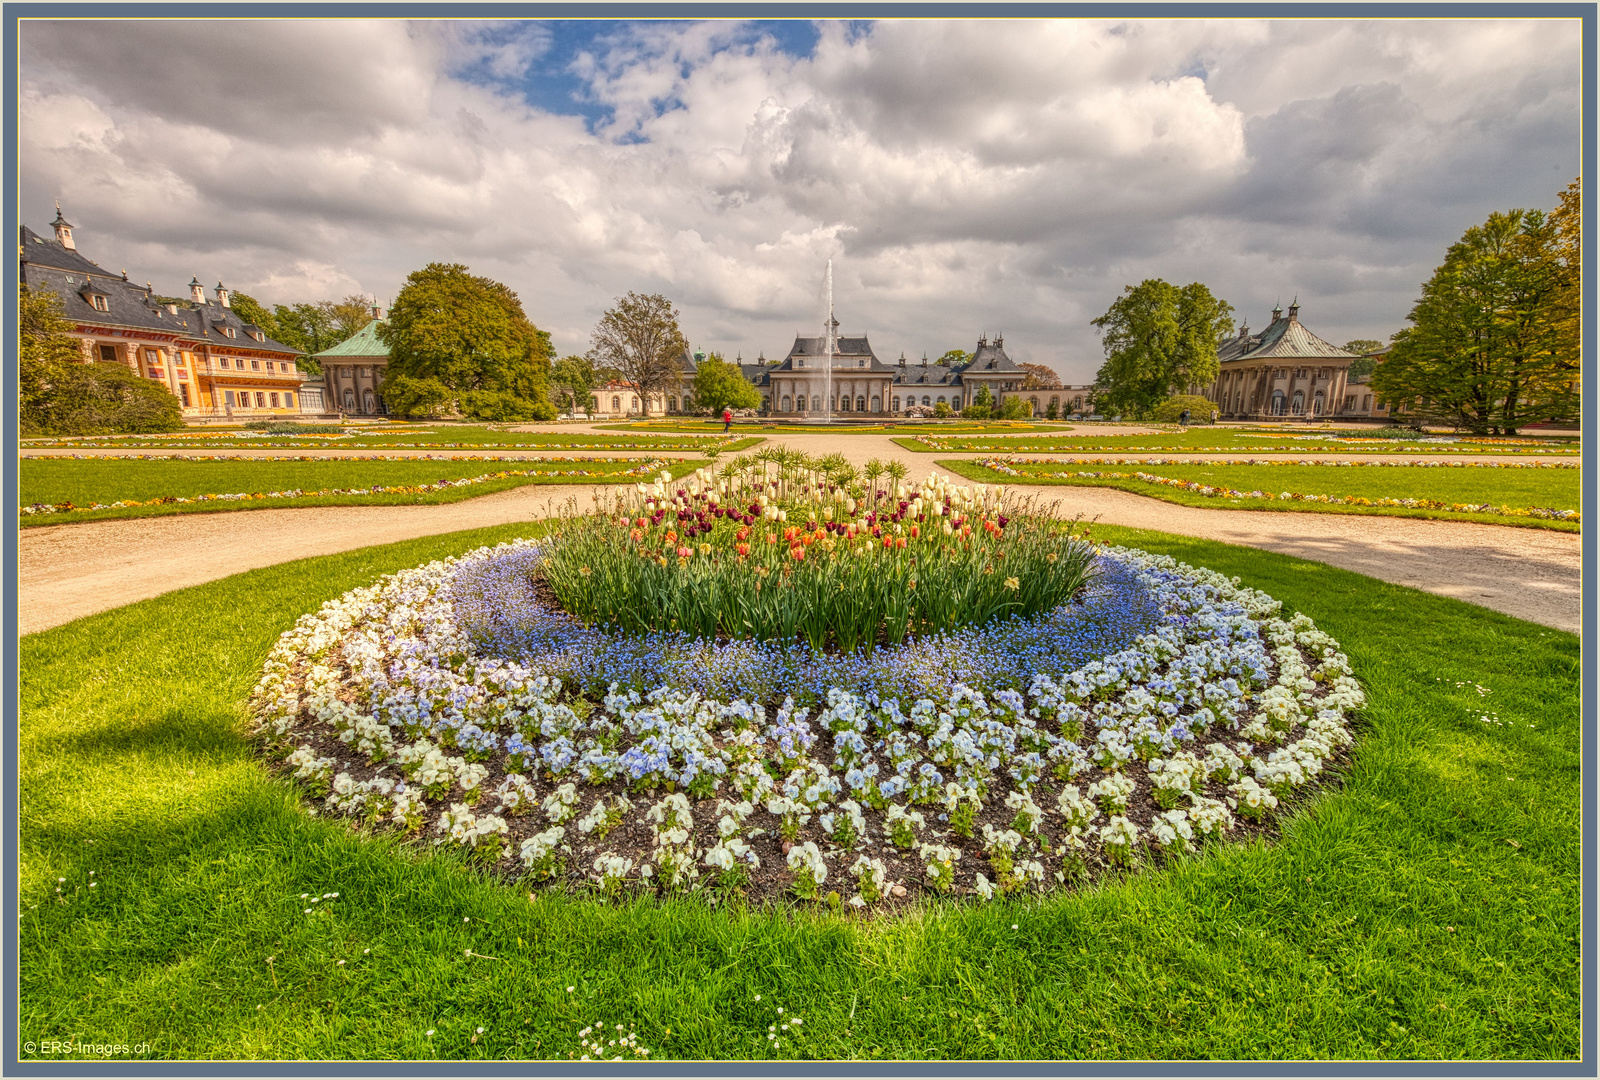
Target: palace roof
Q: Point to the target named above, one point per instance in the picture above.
(365, 342)
(1284, 338)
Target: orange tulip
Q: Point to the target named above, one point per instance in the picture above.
(672, 536)
(797, 553)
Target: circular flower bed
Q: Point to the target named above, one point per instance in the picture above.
(1162, 708)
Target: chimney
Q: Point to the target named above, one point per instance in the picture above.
(63, 229)
(222, 295)
(172, 309)
(197, 291)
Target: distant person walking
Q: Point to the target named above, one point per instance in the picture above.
(1183, 418)
(727, 420)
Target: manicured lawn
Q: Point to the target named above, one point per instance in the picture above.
(1517, 488)
(85, 482)
(1256, 443)
(767, 427)
(409, 436)
(1429, 908)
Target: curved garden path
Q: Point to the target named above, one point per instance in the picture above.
(69, 571)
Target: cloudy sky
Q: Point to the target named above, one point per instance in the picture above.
(965, 177)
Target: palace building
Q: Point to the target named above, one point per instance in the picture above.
(215, 364)
(1285, 370)
(861, 384)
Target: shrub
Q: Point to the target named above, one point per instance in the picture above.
(1170, 410)
(500, 405)
(100, 398)
(407, 395)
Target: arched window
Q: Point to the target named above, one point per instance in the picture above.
(816, 403)
(896, 405)
(955, 402)
(1299, 405)
(1035, 403)
(616, 404)
(844, 405)
(786, 405)
(1277, 403)
(1056, 401)
(672, 404)
(349, 398)
(633, 403)
(861, 404)
(877, 404)
(941, 399)
(367, 404)
(1319, 405)
(925, 400)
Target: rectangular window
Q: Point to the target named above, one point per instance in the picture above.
(152, 357)
(274, 400)
(238, 363)
(100, 303)
(255, 365)
(261, 401)
(288, 401)
(183, 392)
(227, 396)
(108, 354)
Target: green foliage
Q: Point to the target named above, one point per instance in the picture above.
(837, 587)
(466, 333)
(1486, 349)
(1015, 408)
(981, 406)
(572, 383)
(497, 405)
(59, 395)
(638, 338)
(720, 385)
(953, 358)
(1171, 410)
(941, 410)
(1053, 411)
(1363, 346)
(1159, 339)
(251, 311)
(1040, 377)
(409, 396)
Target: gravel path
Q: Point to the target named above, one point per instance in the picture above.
(69, 571)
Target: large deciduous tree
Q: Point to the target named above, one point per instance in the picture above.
(572, 383)
(1039, 377)
(639, 337)
(720, 385)
(1487, 349)
(1159, 339)
(60, 395)
(470, 334)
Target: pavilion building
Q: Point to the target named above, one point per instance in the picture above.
(1285, 370)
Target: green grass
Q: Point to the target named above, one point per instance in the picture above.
(84, 482)
(1231, 439)
(1517, 488)
(767, 427)
(1429, 908)
(436, 436)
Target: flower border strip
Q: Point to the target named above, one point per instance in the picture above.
(1213, 492)
(376, 489)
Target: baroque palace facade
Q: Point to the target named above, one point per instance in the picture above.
(215, 364)
(859, 383)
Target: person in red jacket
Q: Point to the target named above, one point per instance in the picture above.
(727, 420)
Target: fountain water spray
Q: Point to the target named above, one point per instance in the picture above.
(827, 347)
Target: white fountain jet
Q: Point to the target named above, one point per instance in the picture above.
(827, 346)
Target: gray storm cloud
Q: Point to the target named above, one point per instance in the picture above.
(966, 176)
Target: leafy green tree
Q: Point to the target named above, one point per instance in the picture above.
(1566, 306)
(468, 333)
(310, 328)
(982, 405)
(1159, 339)
(60, 395)
(953, 358)
(639, 337)
(941, 410)
(572, 383)
(720, 385)
(407, 395)
(1171, 410)
(1015, 408)
(252, 311)
(1484, 350)
(350, 316)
